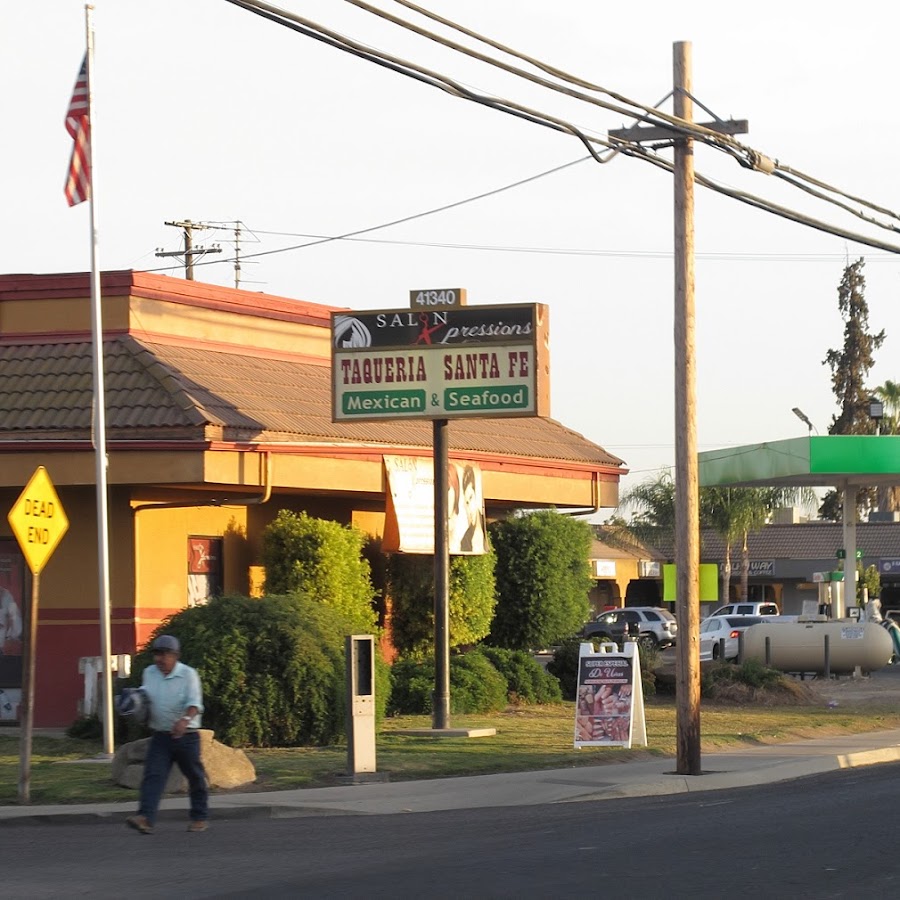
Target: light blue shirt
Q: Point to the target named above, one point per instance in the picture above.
(171, 695)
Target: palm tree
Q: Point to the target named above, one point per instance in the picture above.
(736, 512)
(733, 512)
(762, 503)
(654, 504)
(722, 509)
(889, 394)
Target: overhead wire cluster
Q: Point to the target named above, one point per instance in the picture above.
(601, 149)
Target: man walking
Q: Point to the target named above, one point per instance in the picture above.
(176, 703)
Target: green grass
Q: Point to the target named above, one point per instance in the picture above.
(528, 737)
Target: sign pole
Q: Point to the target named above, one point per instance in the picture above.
(28, 693)
(441, 711)
(39, 522)
(99, 418)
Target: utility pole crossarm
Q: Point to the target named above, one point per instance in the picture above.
(189, 251)
(639, 133)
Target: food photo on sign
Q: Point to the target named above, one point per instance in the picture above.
(609, 703)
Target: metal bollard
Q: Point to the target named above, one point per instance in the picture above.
(740, 656)
(722, 649)
(827, 658)
(768, 651)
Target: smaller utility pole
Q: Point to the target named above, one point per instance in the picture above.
(190, 251)
(237, 254)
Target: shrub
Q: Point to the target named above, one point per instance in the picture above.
(323, 560)
(410, 580)
(475, 685)
(86, 728)
(543, 579)
(564, 666)
(742, 683)
(526, 680)
(272, 669)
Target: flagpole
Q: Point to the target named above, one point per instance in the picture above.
(99, 416)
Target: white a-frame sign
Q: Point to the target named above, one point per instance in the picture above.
(609, 701)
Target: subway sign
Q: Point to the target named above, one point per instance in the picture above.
(468, 362)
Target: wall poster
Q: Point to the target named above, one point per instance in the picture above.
(204, 569)
(13, 600)
(609, 700)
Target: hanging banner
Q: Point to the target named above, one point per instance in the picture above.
(409, 514)
(609, 700)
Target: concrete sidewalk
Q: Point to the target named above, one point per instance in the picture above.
(736, 768)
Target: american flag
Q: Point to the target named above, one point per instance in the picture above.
(78, 124)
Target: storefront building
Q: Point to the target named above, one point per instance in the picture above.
(218, 412)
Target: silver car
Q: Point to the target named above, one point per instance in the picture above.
(714, 629)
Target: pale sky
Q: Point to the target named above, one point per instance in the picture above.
(207, 112)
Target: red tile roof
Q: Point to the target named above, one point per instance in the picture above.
(157, 391)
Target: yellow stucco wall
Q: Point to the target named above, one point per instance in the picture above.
(161, 542)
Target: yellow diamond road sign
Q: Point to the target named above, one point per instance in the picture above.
(38, 520)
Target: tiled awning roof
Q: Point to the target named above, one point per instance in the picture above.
(160, 391)
(810, 540)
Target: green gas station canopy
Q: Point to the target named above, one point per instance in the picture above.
(827, 460)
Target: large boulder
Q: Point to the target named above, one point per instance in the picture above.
(225, 766)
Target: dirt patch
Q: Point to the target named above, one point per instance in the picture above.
(881, 688)
(783, 693)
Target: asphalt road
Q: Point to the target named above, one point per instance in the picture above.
(822, 837)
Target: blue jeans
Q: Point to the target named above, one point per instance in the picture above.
(162, 751)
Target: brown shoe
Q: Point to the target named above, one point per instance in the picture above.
(198, 825)
(139, 823)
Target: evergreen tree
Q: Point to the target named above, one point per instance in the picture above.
(410, 585)
(543, 579)
(322, 560)
(849, 368)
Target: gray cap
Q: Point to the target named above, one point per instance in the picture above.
(167, 642)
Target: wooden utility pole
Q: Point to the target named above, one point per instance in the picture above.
(189, 251)
(687, 498)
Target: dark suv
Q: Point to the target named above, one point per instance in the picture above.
(656, 627)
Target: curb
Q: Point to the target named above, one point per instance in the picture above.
(670, 784)
(83, 817)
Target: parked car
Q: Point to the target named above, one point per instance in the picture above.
(656, 627)
(714, 628)
(746, 609)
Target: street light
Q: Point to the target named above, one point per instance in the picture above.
(803, 418)
(876, 412)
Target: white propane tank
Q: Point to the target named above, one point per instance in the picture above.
(800, 646)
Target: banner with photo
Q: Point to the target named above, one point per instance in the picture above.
(409, 513)
(609, 700)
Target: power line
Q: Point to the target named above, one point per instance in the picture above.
(583, 251)
(752, 158)
(350, 235)
(745, 155)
